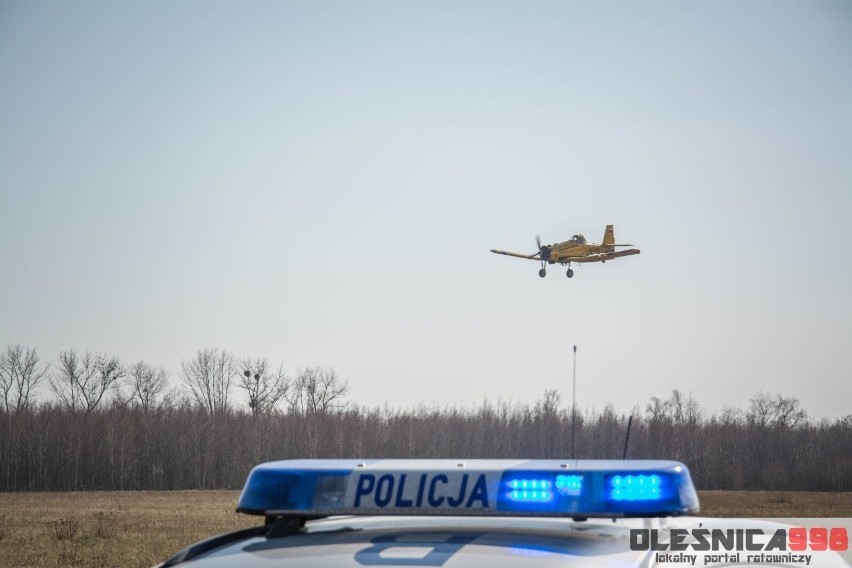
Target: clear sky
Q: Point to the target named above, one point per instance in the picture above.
(320, 183)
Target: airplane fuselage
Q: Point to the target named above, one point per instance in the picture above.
(567, 252)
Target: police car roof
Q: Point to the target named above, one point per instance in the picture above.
(463, 542)
(341, 542)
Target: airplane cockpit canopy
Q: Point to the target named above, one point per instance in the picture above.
(578, 239)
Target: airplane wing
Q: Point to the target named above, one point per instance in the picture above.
(516, 254)
(606, 256)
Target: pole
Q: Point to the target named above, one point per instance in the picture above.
(627, 438)
(574, 407)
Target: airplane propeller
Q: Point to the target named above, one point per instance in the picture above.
(543, 251)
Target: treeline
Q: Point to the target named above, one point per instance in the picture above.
(111, 426)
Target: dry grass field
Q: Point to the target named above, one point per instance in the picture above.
(100, 529)
(775, 504)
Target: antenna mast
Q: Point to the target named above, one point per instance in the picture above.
(574, 406)
(627, 438)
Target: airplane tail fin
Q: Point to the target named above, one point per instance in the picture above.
(609, 237)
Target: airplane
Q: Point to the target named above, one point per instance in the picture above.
(576, 249)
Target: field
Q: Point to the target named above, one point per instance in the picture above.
(100, 529)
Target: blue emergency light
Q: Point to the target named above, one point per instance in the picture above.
(575, 488)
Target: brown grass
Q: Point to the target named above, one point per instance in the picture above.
(775, 504)
(102, 529)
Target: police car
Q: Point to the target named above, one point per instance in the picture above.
(606, 513)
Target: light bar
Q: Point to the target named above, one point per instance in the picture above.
(635, 487)
(575, 488)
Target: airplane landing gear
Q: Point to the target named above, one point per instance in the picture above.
(542, 272)
(570, 273)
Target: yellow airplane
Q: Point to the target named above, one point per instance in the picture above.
(575, 249)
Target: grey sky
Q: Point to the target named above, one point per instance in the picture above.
(320, 183)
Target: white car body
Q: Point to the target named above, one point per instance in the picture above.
(460, 542)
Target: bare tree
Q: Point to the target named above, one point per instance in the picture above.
(788, 413)
(209, 376)
(264, 388)
(760, 409)
(683, 411)
(20, 372)
(548, 405)
(730, 416)
(765, 410)
(147, 386)
(82, 381)
(316, 390)
(657, 410)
